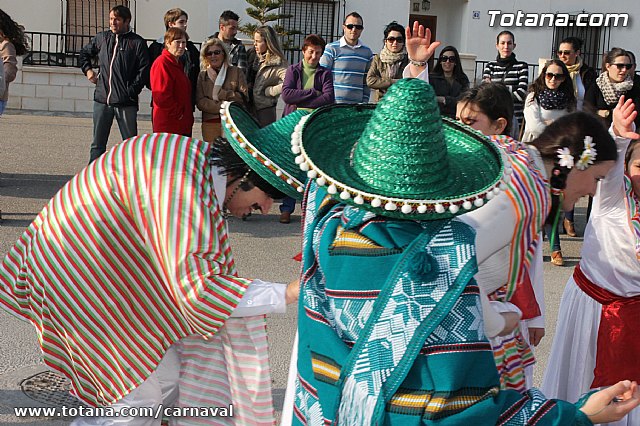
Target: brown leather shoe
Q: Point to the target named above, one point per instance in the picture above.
(570, 228)
(556, 258)
(285, 217)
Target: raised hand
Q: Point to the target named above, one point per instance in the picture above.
(418, 43)
(623, 116)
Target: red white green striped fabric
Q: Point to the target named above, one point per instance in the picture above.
(129, 257)
(528, 192)
(230, 368)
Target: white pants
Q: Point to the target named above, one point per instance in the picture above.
(161, 387)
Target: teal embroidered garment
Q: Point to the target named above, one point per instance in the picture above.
(391, 329)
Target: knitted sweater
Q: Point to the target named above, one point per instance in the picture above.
(516, 78)
(349, 65)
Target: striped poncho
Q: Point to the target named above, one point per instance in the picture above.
(130, 256)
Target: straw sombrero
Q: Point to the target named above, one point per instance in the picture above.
(266, 150)
(400, 158)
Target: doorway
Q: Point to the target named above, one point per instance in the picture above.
(427, 21)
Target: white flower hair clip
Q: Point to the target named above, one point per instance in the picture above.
(587, 158)
(565, 159)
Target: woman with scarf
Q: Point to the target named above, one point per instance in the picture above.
(387, 66)
(448, 80)
(550, 97)
(514, 74)
(615, 80)
(596, 339)
(582, 75)
(270, 67)
(218, 81)
(307, 85)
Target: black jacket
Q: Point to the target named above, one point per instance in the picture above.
(450, 92)
(594, 102)
(123, 61)
(190, 62)
(588, 76)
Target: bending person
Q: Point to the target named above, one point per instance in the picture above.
(145, 272)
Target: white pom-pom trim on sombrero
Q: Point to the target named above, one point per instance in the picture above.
(406, 206)
(244, 143)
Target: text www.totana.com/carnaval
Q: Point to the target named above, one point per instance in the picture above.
(155, 412)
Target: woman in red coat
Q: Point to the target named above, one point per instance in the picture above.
(171, 88)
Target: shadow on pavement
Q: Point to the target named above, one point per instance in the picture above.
(31, 185)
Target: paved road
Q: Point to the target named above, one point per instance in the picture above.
(39, 153)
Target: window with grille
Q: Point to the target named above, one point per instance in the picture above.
(321, 17)
(86, 18)
(595, 41)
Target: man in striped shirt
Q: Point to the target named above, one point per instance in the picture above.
(514, 74)
(349, 62)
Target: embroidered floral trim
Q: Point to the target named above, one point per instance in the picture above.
(587, 158)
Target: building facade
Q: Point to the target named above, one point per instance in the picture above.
(49, 80)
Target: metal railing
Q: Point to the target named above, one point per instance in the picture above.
(59, 50)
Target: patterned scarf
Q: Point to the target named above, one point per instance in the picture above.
(574, 72)
(552, 99)
(393, 60)
(633, 209)
(612, 91)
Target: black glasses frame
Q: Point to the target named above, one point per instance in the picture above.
(559, 77)
(620, 66)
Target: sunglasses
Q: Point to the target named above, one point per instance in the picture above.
(394, 39)
(559, 77)
(356, 26)
(621, 66)
(565, 52)
(451, 59)
(213, 52)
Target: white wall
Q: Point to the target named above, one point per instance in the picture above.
(533, 43)
(35, 15)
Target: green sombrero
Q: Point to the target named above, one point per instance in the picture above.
(399, 158)
(266, 150)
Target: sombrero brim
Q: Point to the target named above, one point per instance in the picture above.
(477, 169)
(266, 150)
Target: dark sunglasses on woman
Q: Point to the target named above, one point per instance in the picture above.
(559, 77)
(398, 39)
(451, 59)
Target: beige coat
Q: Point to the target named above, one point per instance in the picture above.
(234, 89)
(10, 64)
(267, 85)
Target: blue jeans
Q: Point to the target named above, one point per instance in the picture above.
(103, 115)
(3, 105)
(288, 205)
(555, 244)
